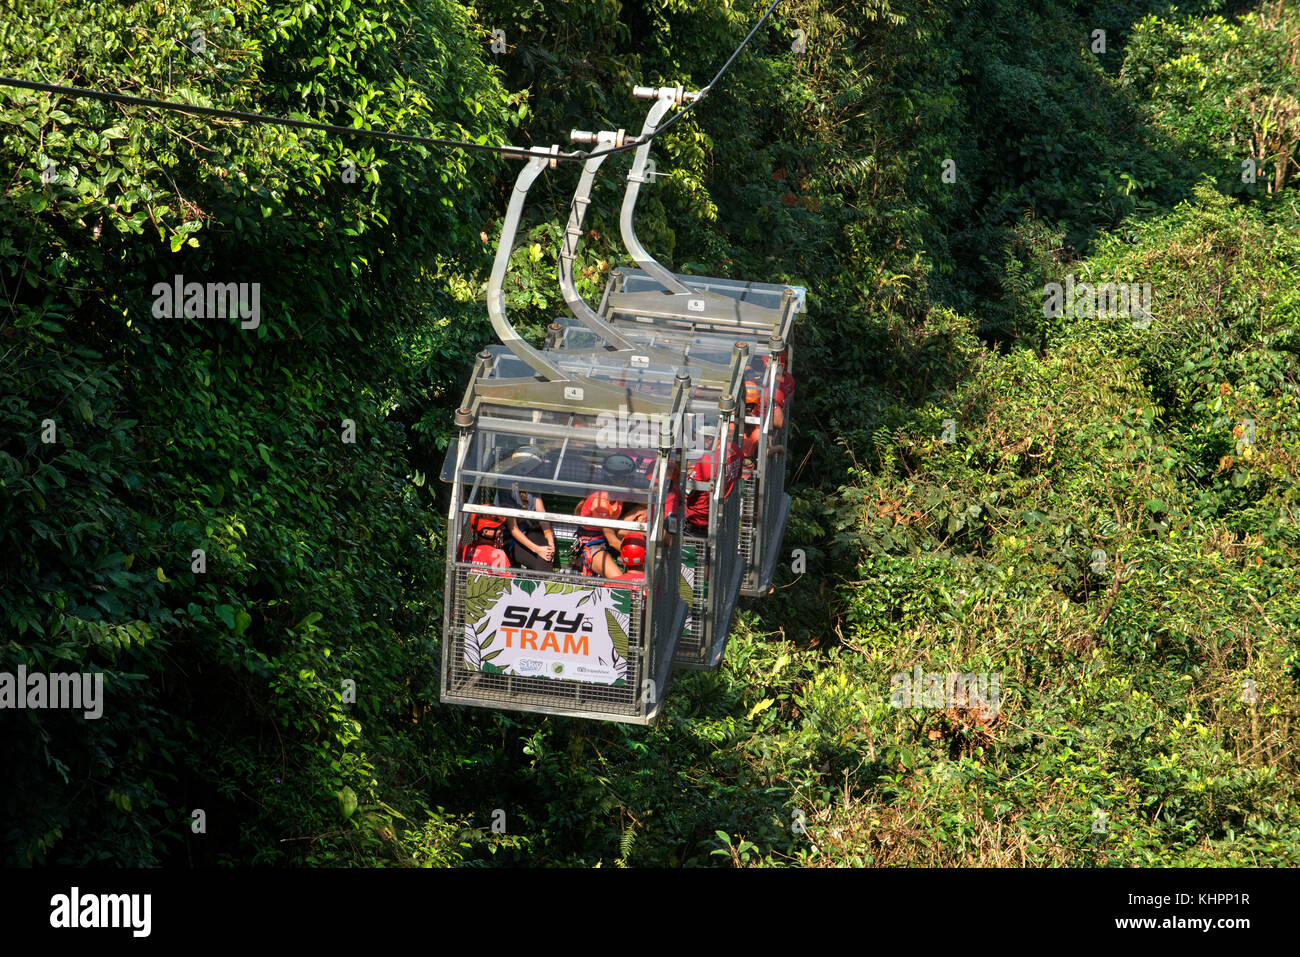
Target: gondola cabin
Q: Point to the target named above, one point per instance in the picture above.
(559, 641)
(595, 642)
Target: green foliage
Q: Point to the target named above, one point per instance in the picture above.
(1147, 696)
(224, 686)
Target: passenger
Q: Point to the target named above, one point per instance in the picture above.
(671, 499)
(639, 513)
(485, 549)
(778, 410)
(697, 502)
(530, 543)
(784, 384)
(599, 545)
(784, 379)
(754, 406)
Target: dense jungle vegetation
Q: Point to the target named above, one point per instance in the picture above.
(958, 460)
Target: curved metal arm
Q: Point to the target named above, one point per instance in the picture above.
(573, 232)
(707, 372)
(496, 300)
(664, 101)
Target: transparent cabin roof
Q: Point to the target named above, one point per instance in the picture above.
(650, 378)
(678, 336)
(555, 453)
(765, 294)
(618, 428)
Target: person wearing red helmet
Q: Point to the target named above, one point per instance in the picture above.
(754, 408)
(599, 545)
(697, 502)
(485, 549)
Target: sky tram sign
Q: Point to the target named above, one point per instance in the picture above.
(547, 629)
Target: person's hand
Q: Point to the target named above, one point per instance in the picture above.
(547, 552)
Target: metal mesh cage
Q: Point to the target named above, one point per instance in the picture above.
(774, 507)
(748, 532)
(463, 684)
(693, 648)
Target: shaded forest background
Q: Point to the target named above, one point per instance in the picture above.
(1149, 699)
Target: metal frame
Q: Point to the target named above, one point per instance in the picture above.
(658, 611)
(703, 300)
(634, 352)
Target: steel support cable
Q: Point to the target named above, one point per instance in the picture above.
(516, 152)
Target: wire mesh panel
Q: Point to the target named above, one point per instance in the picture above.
(748, 532)
(712, 574)
(694, 584)
(670, 611)
(776, 505)
(548, 642)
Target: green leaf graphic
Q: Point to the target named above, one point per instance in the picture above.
(616, 632)
(481, 593)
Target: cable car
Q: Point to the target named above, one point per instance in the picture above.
(711, 564)
(551, 641)
(701, 319)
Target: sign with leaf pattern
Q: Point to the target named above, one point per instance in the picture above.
(547, 629)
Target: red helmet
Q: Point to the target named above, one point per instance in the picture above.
(633, 551)
(752, 395)
(486, 526)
